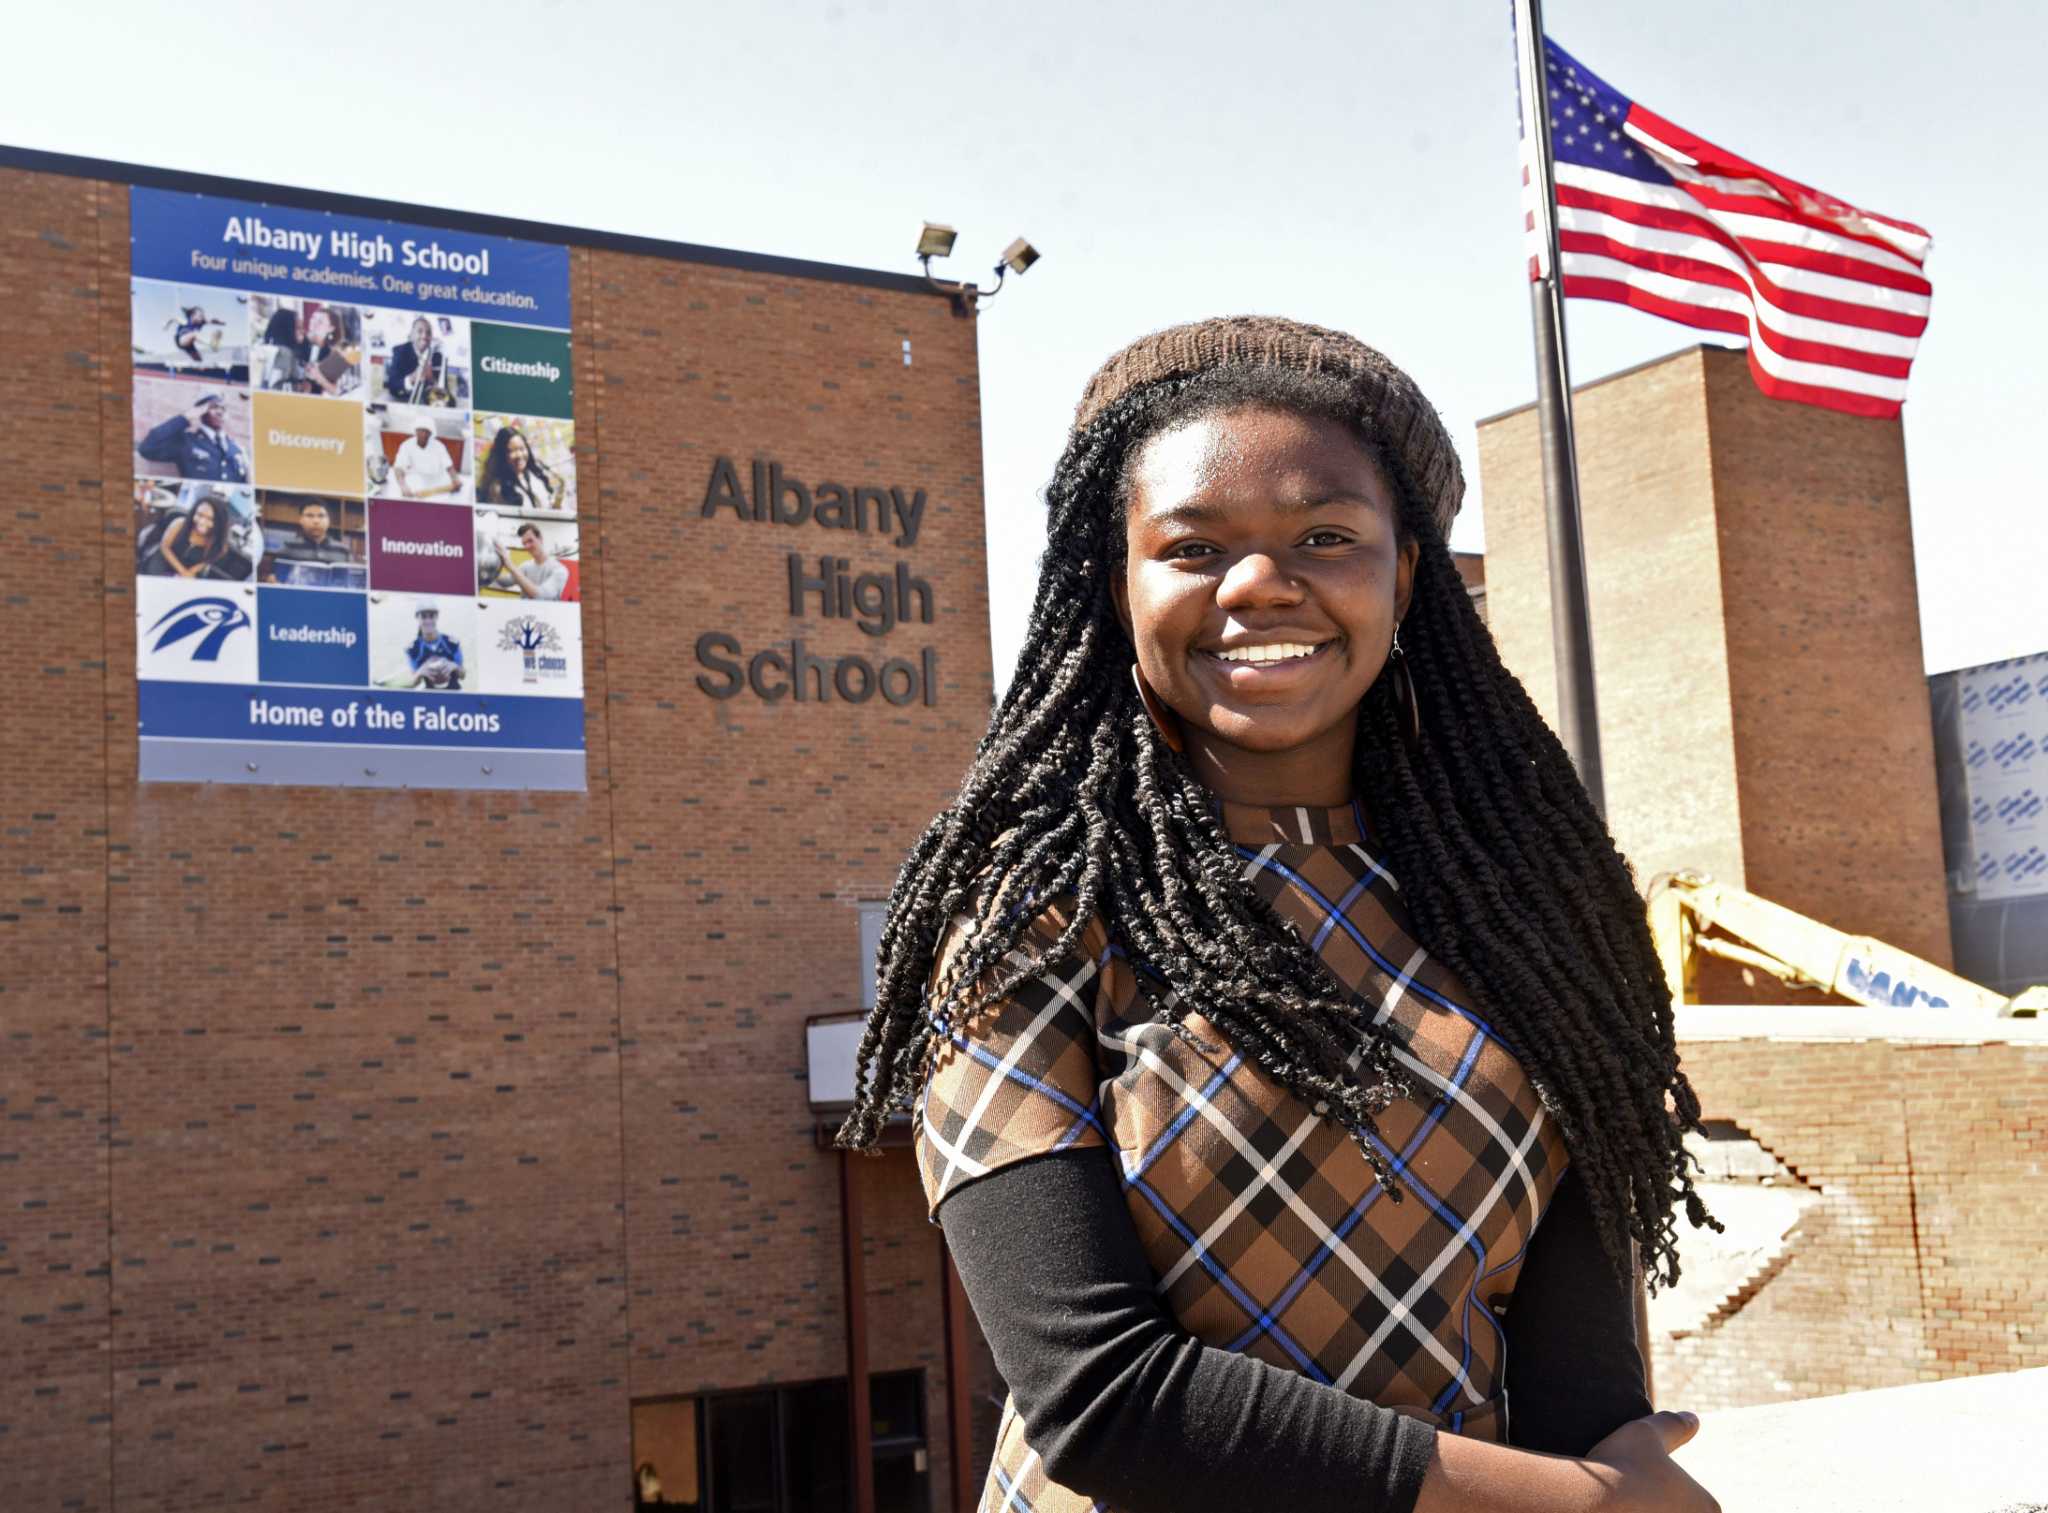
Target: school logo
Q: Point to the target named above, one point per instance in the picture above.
(188, 632)
(538, 646)
(212, 621)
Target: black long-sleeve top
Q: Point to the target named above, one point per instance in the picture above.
(1175, 1257)
(1124, 1406)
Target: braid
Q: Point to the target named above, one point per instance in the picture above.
(1511, 877)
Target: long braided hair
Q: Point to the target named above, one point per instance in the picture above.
(1509, 874)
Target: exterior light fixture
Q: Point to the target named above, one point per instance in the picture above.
(935, 240)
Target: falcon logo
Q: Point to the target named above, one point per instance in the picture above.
(212, 620)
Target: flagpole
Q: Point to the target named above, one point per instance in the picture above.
(1578, 719)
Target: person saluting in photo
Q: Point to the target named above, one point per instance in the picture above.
(1291, 1070)
(196, 442)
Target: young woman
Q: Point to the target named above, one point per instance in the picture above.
(1293, 1073)
(515, 477)
(192, 543)
(323, 334)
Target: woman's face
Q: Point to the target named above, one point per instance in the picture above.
(202, 522)
(319, 326)
(1263, 579)
(515, 453)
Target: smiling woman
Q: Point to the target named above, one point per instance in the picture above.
(1266, 573)
(1294, 1076)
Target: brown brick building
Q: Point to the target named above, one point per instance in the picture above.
(1764, 717)
(1756, 641)
(1891, 1232)
(368, 1141)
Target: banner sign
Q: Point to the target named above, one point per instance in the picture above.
(355, 501)
(2004, 709)
(230, 244)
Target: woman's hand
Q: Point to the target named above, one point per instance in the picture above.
(1640, 1475)
(1630, 1471)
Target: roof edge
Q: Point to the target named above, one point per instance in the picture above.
(69, 165)
(1607, 378)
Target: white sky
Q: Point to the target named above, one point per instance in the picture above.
(1348, 164)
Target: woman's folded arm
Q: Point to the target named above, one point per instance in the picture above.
(1574, 1374)
(1124, 1406)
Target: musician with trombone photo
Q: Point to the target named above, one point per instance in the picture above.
(419, 359)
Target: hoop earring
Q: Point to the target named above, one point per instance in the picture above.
(1163, 719)
(1401, 687)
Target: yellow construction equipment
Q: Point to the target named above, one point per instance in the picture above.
(1754, 932)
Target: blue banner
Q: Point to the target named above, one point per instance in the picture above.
(308, 635)
(358, 717)
(354, 455)
(240, 244)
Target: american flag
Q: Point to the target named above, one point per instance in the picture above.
(1831, 298)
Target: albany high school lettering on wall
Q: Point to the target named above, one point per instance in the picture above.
(828, 585)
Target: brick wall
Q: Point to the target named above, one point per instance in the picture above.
(1660, 668)
(1834, 738)
(364, 1140)
(1763, 717)
(1919, 1256)
(1763, 708)
(54, 1073)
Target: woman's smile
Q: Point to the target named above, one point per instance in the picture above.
(1269, 651)
(1264, 576)
(1268, 665)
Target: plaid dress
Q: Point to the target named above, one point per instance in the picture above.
(1262, 1222)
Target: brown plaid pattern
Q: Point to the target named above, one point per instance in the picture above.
(1262, 1222)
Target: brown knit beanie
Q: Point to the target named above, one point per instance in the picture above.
(1393, 408)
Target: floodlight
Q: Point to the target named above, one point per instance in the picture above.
(937, 241)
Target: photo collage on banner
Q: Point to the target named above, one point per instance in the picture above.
(355, 501)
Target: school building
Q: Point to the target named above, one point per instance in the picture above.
(370, 1140)
(369, 1146)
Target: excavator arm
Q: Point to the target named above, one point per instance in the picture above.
(1692, 915)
